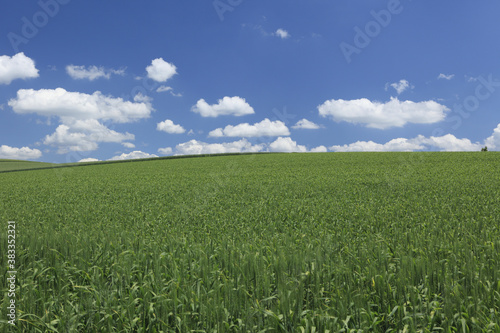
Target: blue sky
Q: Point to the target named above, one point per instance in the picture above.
(98, 80)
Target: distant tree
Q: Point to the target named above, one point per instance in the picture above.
(484, 149)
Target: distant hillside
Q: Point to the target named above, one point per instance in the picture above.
(17, 165)
(10, 165)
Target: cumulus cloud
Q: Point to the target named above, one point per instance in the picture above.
(165, 151)
(228, 106)
(305, 124)
(91, 72)
(400, 86)
(446, 142)
(18, 66)
(169, 127)
(64, 104)
(445, 77)
(169, 89)
(281, 144)
(493, 142)
(24, 153)
(195, 147)
(132, 156)
(83, 135)
(378, 115)
(319, 149)
(286, 145)
(128, 145)
(163, 89)
(81, 115)
(160, 70)
(281, 33)
(400, 144)
(264, 128)
(88, 160)
(67, 140)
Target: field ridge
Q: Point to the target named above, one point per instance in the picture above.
(82, 164)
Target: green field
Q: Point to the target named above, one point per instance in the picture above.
(383, 242)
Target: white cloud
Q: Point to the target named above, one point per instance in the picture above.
(400, 144)
(91, 72)
(378, 115)
(305, 124)
(81, 116)
(67, 140)
(169, 127)
(165, 151)
(445, 77)
(281, 33)
(160, 70)
(18, 66)
(169, 89)
(319, 149)
(234, 106)
(65, 104)
(195, 147)
(264, 128)
(132, 156)
(400, 86)
(88, 160)
(471, 78)
(140, 98)
(129, 145)
(84, 135)
(493, 142)
(281, 144)
(446, 142)
(163, 89)
(286, 145)
(216, 133)
(23, 153)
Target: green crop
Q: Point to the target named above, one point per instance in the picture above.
(338, 242)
